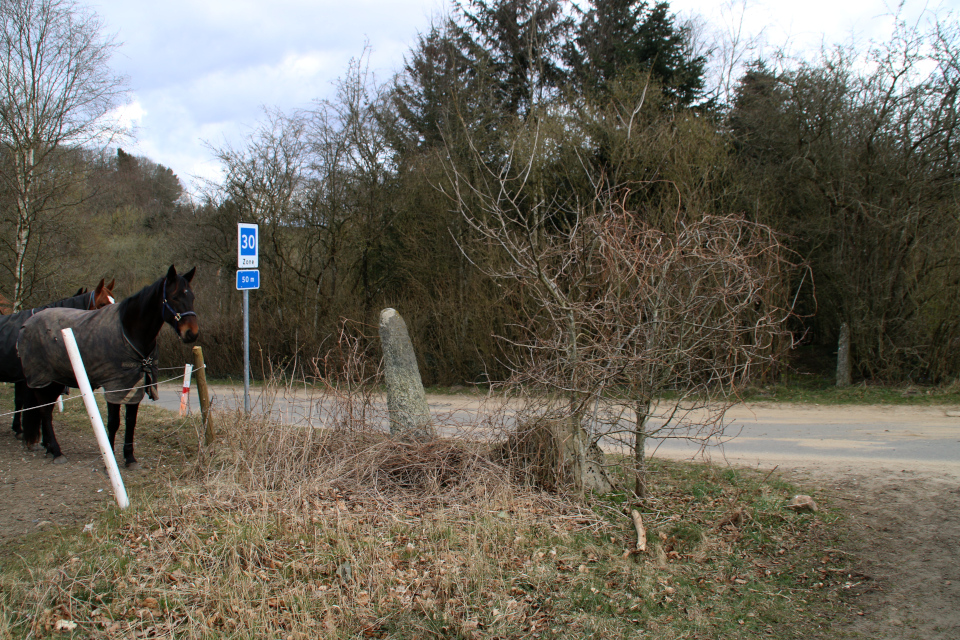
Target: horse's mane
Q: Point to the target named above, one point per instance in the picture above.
(141, 298)
(73, 302)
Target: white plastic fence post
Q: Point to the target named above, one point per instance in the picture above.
(94, 412)
(185, 396)
(60, 403)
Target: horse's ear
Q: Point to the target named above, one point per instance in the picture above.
(172, 274)
(188, 276)
(99, 286)
(80, 292)
(110, 286)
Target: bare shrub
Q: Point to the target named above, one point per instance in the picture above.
(627, 313)
(532, 453)
(341, 441)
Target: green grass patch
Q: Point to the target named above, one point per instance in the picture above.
(811, 389)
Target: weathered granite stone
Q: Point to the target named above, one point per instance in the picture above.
(406, 401)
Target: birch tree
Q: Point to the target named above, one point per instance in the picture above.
(57, 93)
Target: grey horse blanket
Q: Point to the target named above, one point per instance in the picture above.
(10, 326)
(110, 359)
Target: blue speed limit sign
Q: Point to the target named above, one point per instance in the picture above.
(248, 250)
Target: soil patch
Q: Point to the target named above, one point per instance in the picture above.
(905, 531)
(36, 494)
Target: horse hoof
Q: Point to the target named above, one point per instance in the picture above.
(132, 465)
(33, 447)
(60, 460)
(18, 436)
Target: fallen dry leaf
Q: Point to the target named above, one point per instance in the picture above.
(64, 625)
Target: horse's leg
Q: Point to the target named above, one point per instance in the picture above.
(31, 420)
(47, 398)
(113, 422)
(131, 462)
(19, 400)
(46, 421)
(38, 418)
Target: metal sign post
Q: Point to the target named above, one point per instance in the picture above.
(246, 351)
(248, 277)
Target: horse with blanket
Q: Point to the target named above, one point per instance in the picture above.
(118, 345)
(10, 369)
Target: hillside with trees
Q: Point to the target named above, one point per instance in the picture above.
(528, 123)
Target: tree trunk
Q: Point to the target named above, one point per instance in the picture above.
(586, 461)
(843, 356)
(24, 223)
(639, 447)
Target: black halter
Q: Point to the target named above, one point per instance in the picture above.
(166, 305)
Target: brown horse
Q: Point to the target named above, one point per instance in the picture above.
(102, 297)
(10, 326)
(119, 349)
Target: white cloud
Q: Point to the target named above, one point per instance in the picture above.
(129, 115)
(202, 70)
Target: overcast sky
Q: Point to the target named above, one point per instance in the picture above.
(201, 71)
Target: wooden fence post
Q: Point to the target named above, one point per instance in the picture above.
(204, 394)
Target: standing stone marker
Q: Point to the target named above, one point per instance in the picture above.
(406, 401)
(843, 356)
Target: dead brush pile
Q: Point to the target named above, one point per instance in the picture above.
(256, 456)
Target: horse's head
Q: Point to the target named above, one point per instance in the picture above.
(178, 305)
(102, 295)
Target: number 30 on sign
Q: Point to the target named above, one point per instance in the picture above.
(247, 249)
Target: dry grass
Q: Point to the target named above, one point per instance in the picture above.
(270, 457)
(345, 533)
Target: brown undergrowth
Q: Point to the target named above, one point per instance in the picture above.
(304, 533)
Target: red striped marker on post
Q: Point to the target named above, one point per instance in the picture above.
(185, 395)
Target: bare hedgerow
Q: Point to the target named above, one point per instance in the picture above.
(638, 322)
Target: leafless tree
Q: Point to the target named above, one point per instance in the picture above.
(56, 92)
(733, 50)
(687, 318)
(623, 316)
(319, 183)
(854, 156)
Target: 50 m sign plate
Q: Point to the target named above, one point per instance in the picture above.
(248, 279)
